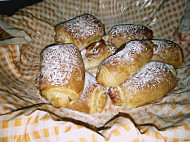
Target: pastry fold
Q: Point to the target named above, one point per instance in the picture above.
(94, 53)
(153, 81)
(93, 99)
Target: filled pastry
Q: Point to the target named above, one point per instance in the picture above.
(82, 30)
(167, 51)
(62, 74)
(94, 53)
(153, 81)
(120, 34)
(93, 99)
(128, 59)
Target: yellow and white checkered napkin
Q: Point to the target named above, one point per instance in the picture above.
(25, 116)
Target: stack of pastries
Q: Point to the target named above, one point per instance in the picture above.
(129, 65)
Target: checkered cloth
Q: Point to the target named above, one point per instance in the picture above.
(25, 116)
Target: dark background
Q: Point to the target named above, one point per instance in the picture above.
(12, 6)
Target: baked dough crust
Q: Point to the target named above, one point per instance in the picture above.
(93, 99)
(128, 59)
(120, 34)
(167, 51)
(62, 74)
(82, 30)
(153, 81)
(94, 53)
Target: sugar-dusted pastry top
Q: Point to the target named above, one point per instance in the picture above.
(167, 51)
(94, 53)
(125, 60)
(62, 73)
(58, 62)
(81, 30)
(120, 34)
(149, 75)
(153, 81)
(129, 58)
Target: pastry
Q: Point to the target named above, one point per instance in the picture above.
(82, 30)
(93, 99)
(153, 81)
(120, 34)
(94, 53)
(168, 52)
(62, 74)
(128, 59)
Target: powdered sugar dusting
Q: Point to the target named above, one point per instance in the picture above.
(90, 81)
(129, 30)
(58, 62)
(127, 53)
(163, 45)
(82, 26)
(150, 74)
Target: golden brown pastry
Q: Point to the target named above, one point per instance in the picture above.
(81, 31)
(168, 52)
(93, 98)
(129, 58)
(94, 53)
(62, 74)
(120, 34)
(153, 81)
